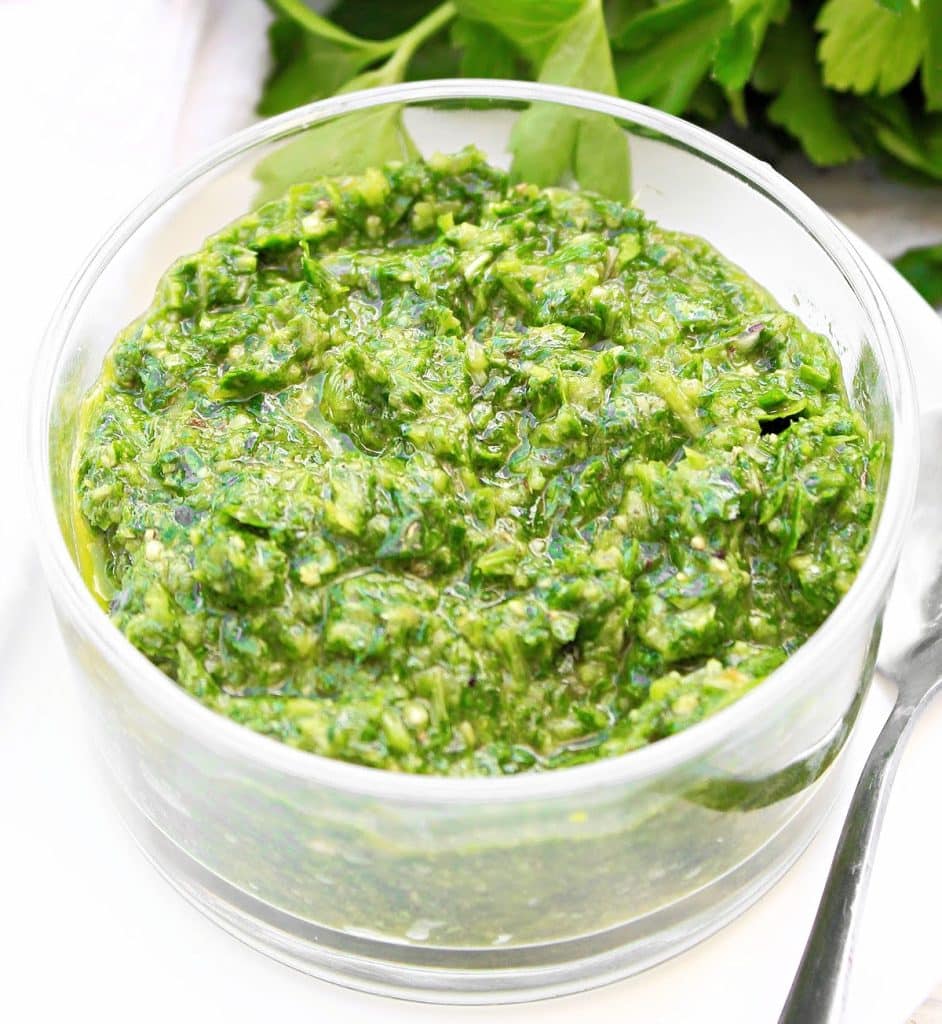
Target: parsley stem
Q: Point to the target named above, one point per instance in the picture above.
(409, 42)
(318, 25)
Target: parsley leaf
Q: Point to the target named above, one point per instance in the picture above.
(485, 53)
(580, 55)
(549, 140)
(354, 142)
(542, 142)
(533, 26)
(897, 6)
(923, 269)
(914, 141)
(740, 44)
(932, 64)
(867, 48)
(308, 66)
(348, 144)
(667, 51)
(802, 106)
(602, 160)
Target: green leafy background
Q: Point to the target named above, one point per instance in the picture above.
(840, 80)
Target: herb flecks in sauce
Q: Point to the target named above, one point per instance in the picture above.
(430, 471)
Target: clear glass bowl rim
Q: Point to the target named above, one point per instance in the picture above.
(203, 725)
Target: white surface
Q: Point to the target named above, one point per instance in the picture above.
(86, 924)
(891, 215)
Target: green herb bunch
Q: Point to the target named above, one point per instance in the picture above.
(840, 79)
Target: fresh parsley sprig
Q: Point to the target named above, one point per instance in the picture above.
(840, 78)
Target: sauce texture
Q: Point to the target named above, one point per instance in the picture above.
(436, 472)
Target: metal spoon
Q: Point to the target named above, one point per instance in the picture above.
(910, 658)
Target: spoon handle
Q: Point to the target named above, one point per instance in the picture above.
(819, 991)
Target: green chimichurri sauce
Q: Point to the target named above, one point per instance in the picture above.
(434, 472)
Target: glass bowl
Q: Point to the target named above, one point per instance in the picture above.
(479, 889)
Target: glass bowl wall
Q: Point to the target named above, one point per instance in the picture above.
(479, 889)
